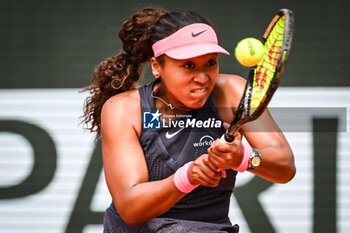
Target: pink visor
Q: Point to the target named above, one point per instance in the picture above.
(188, 42)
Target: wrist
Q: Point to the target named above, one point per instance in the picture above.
(247, 151)
(182, 181)
(254, 160)
(251, 158)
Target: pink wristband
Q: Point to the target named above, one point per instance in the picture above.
(248, 151)
(181, 180)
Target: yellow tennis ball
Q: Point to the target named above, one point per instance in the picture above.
(249, 51)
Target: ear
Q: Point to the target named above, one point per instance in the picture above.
(156, 67)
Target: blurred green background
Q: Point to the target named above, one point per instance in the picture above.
(56, 44)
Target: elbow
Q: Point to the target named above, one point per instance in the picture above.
(289, 175)
(128, 209)
(289, 171)
(134, 219)
(130, 218)
(131, 221)
(133, 215)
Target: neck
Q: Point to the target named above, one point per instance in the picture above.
(163, 103)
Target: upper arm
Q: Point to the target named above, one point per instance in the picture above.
(264, 132)
(123, 158)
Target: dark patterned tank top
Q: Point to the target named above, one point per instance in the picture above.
(168, 145)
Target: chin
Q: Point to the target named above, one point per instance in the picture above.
(197, 105)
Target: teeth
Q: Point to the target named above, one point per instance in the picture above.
(199, 90)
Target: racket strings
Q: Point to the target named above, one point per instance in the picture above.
(266, 68)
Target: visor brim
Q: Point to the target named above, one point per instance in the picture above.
(195, 50)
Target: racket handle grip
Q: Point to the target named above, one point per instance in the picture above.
(226, 138)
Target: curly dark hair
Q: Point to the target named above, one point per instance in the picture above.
(121, 72)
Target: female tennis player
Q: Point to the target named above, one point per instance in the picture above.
(164, 168)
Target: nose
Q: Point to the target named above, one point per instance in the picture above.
(201, 77)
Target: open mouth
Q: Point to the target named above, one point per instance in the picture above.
(199, 90)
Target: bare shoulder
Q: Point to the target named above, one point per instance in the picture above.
(122, 110)
(121, 103)
(230, 81)
(228, 90)
(122, 99)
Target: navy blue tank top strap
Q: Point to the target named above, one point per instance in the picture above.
(169, 145)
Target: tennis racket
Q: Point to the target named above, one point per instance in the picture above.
(265, 77)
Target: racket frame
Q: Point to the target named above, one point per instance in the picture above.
(242, 114)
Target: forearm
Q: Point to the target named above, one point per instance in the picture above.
(277, 164)
(148, 200)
